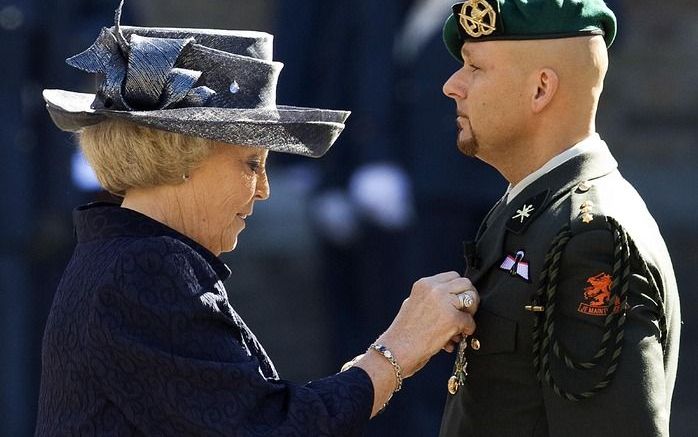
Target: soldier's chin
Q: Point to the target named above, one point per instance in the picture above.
(468, 146)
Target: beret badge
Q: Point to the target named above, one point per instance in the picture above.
(513, 20)
(477, 18)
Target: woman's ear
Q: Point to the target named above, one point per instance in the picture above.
(546, 86)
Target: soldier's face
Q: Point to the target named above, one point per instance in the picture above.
(488, 93)
(457, 88)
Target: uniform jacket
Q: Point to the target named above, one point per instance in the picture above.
(142, 340)
(502, 395)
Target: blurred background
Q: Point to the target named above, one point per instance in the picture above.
(326, 262)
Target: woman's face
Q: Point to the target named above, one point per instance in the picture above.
(221, 193)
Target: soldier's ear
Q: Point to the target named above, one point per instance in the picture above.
(547, 82)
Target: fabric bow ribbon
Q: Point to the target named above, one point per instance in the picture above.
(140, 74)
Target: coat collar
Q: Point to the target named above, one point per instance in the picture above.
(536, 198)
(588, 144)
(103, 220)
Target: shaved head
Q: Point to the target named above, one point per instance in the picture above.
(580, 63)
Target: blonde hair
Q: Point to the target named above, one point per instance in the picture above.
(125, 155)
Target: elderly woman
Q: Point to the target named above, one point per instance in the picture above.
(142, 339)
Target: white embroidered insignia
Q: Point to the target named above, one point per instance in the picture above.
(524, 213)
(515, 265)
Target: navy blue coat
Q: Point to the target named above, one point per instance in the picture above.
(142, 340)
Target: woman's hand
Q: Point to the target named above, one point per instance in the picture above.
(432, 318)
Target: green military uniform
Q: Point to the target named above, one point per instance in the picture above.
(578, 326)
(502, 395)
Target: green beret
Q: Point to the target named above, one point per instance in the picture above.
(485, 20)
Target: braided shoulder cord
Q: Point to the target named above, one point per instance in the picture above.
(544, 338)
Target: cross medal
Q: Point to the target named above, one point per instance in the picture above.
(459, 370)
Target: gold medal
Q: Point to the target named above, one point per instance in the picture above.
(453, 385)
(459, 372)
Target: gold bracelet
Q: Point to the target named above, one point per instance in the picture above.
(385, 352)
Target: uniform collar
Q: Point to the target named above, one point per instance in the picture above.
(536, 198)
(588, 144)
(102, 221)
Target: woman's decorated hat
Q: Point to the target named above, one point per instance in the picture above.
(215, 84)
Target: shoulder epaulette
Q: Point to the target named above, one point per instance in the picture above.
(585, 214)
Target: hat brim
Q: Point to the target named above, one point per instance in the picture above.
(288, 129)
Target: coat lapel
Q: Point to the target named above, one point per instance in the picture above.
(523, 210)
(490, 240)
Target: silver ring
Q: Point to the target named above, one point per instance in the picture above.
(466, 301)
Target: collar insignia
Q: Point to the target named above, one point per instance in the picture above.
(524, 212)
(529, 209)
(477, 18)
(515, 265)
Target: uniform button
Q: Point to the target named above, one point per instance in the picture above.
(475, 344)
(584, 186)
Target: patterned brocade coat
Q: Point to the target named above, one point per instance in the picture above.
(502, 395)
(142, 340)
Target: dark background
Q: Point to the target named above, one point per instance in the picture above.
(323, 266)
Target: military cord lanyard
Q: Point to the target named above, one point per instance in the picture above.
(543, 308)
(544, 338)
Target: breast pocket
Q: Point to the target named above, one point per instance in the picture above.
(494, 334)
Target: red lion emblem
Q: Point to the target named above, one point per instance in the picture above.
(597, 296)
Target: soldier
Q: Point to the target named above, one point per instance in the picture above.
(578, 327)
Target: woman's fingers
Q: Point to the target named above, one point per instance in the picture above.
(444, 277)
(467, 301)
(457, 285)
(466, 296)
(453, 343)
(467, 325)
(438, 312)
